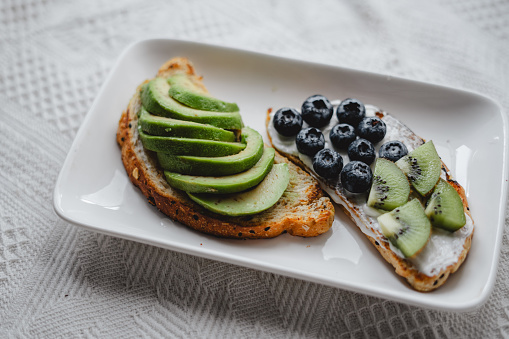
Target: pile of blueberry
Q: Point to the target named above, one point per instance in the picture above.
(354, 133)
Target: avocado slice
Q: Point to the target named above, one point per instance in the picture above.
(225, 184)
(217, 166)
(156, 100)
(187, 92)
(253, 201)
(188, 146)
(156, 125)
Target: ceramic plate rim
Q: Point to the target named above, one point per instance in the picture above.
(266, 266)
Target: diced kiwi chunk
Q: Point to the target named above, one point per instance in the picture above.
(445, 208)
(422, 167)
(390, 187)
(407, 227)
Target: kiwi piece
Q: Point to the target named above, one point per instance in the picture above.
(407, 227)
(445, 208)
(422, 167)
(390, 187)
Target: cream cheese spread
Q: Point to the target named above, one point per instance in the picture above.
(443, 248)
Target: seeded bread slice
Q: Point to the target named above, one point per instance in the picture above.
(303, 210)
(403, 267)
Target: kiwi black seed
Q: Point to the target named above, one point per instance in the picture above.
(422, 166)
(445, 207)
(390, 187)
(407, 227)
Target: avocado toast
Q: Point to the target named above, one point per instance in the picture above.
(433, 252)
(166, 172)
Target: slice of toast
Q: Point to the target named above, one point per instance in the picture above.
(423, 273)
(303, 210)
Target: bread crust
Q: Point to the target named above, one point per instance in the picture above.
(403, 267)
(303, 210)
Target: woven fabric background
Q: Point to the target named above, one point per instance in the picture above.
(57, 280)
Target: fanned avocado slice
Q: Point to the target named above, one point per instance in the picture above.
(217, 166)
(156, 100)
(225, 184)
(253, 201)
(184, 90)
(156, 125)
(189, 146)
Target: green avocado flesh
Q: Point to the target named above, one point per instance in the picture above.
(253, 201)
(195, 139)
(407, 227)
(445, 208)
(156, 100)
(225, 184)
(217, 166)
(188, 146)
(390, 187)
(422, 167)
(184, 90)
(166, 127)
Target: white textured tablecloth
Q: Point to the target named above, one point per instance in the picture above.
(58, 280)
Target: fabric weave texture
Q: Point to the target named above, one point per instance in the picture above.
(61, 281)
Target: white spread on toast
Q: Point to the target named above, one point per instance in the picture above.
(443, 248)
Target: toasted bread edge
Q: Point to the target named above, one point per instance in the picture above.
(312, 215)
(403, 267)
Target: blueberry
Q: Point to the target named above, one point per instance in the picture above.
(356, 177)
(351, 111)
(317, 110)
(393, 150)
(287, 121)
(328, 163)
(362, 150)
(342, 135)
(372, 129)
(309, 141)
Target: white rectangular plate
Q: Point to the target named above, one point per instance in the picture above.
(469, 130)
